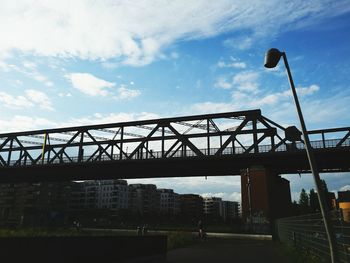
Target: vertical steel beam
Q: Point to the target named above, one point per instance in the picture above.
(121, 143)
(10, 152)
(49, 149)
(44, 149)
(272, 142)
(255, 136)
(163, 141)
(112, 151)
(81, 150)
(208, 138)
(20, 157)
(233, 146)
(323, 140)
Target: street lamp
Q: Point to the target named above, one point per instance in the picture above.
(272, 57)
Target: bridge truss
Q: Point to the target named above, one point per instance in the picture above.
(243, 133)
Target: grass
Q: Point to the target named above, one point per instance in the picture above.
(301, 256)
(175, 239)
(56, 232)
(180, 239)
(38, 232)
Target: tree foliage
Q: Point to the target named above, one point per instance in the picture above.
(304, 201)
(314, 204)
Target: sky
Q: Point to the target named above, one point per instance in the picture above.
(67, 63)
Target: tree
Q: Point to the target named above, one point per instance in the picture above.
(304, 201)
(313, 199)
(328, 195)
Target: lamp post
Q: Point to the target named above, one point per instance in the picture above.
(272, 58)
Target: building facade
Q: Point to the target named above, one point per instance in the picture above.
(212, 207)
(191, 206)
(144, 199)
(33, 204)
(169, 202)
(344, 204)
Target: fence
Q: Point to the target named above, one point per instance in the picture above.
(307, 232)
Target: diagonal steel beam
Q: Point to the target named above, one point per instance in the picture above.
(232, 136)
(283, 141)
(214, 125)
(5, 142)
(175, 151)
(120, 150)
(99, 146)
(343, 140)
(185, 140)
(24, 149)
(255, 145)
(91, 157)
(2, 161)
(171, 148)
(273, 123)
(65, 146)
(144, 141)
(240, 144)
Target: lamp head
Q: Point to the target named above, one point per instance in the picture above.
(272, 57)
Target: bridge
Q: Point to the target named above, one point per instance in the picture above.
(200, 145)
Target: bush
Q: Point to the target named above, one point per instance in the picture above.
(179, 239)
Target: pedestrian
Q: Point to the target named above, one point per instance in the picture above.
(145, 230)
(139, 231)
(200, 229)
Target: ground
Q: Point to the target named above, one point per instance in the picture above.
(229, 250)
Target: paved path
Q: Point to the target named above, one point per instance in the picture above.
(220, 250)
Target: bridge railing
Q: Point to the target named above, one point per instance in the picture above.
(307, 232)
(333, 143)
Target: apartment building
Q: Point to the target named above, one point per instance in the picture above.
(144, 199)
(169, 202)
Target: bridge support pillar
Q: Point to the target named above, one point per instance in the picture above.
(265, 195)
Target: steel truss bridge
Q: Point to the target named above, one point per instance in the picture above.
(201, 145)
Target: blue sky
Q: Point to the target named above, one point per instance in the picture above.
(81, 62)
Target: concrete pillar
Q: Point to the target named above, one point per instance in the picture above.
(269, 196)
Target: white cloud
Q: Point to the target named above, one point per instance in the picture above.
(226, 196)
(302, 91)
(99, 118)
(29, 69)
(279, 107)
(24, 123)
(228, 186)
(15, 102)
(211, 107)
(62, 94)
(345, 188)
(222, 83)
(124, 93)
(137, 32)
(237, 65)
(39, 98)
(241, 43)
(90, 84)
(246, 81)
(30, 99)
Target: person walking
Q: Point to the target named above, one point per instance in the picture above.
(200, 229)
